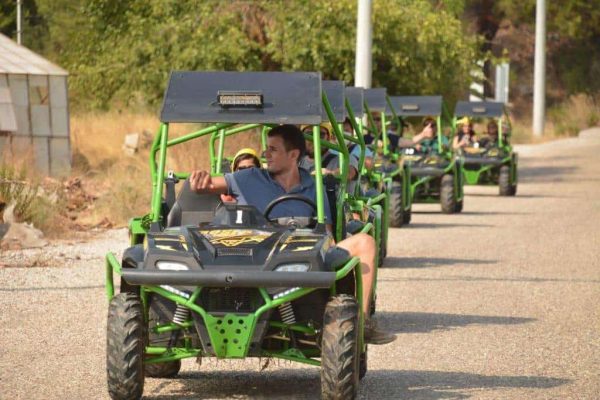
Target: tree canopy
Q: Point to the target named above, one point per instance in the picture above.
(120, 52)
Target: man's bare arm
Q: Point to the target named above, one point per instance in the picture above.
(202, 182)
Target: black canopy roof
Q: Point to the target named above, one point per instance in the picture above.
(335, 94)
(355, 97)
(286, 97)
(375, 99)
(479, 109)
(416, 106)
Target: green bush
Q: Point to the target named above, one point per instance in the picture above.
(32, 203)
(125, 51)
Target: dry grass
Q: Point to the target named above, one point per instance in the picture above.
(34, 199)
(122, 182)
(564, 120)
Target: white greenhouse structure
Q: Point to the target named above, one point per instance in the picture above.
(34, 109)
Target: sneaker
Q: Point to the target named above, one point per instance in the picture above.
(374, 335)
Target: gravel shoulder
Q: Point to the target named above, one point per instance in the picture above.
(499, 302)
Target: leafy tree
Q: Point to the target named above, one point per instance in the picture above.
(34, 25)
(125, 50)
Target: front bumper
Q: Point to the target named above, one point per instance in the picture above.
(230, 278)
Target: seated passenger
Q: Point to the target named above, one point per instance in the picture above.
(285, 148)
(243, 159)
(490, 139)
(393, 136)
(426, 141)
(465, 136)
(330, 161)
(354, 148)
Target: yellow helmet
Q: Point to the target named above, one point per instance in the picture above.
(243, 151)
(463, 121)
(325, 125)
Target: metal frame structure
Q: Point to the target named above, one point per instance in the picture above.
(155, 220)
(401, 107)
(484, 170)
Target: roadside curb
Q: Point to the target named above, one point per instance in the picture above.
(532, 148)
(590, 133)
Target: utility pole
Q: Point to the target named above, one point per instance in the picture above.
(19, 29)
(364, 38)
(539, 74)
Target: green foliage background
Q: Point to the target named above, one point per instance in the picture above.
(119, 52)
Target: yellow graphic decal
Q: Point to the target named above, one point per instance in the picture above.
(166, 247)
(183, 242)
(235, 237)
(299, 240)
(174, 243)
(303, 248)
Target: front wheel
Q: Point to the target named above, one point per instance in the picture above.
(396, 206)
(459, 206)
(447, 198)
(339, 349)
(407, 216)
(125, 341)
(362, 364)
(505, 186)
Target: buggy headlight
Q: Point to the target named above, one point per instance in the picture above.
(293, 268)
(171, 266)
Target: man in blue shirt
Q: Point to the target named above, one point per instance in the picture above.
(285, 148)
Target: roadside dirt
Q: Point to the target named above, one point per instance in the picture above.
(499, 302)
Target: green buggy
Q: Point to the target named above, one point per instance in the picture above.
(387, 175)
(435, 175)
(206, 279)
(491, 160)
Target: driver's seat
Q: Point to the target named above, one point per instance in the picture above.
(192, 208)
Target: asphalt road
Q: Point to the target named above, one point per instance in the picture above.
(499, 302)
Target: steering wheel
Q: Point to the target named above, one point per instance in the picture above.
(288, 197)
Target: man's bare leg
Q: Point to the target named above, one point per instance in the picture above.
(363, 246)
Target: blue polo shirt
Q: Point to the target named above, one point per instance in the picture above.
(254, 186)
(356, 151)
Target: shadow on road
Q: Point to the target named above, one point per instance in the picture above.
(377, 384)
(422, 225)
(428, 262)
(516, 279)
(433, 385)
(415, 322)
(49, 288)
(470, 213)
(546, 173)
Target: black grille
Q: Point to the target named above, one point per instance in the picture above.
(230, 299)
(234, 251)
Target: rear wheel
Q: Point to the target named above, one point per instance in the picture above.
(125, 341)
(447, 198)
(339, 349)
(459, 206)
(407, 216)
(506, 188)
(396, 207)
(362, 365)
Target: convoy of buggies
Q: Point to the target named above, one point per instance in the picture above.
(205, 277)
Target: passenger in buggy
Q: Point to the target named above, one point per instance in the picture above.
(258, 187)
